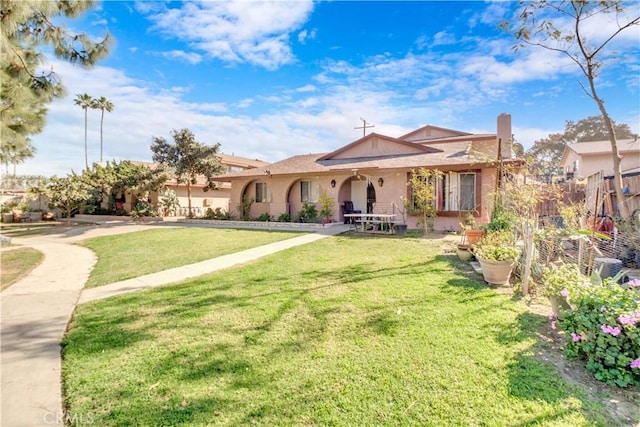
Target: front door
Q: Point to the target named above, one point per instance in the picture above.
(359, 195)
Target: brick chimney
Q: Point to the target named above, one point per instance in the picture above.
(505, 135)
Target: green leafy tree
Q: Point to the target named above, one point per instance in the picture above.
(27, 28)
(120, 177)
(188, 159)
(102, 104)
(542, 24)
(423, 190)
(545, 154)
(84, 101)
(68, 193)
(594, 128)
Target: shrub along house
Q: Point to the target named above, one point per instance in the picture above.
(373, 172)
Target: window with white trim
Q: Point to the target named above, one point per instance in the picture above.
(309, 191)
(263, 193)
(455, 191)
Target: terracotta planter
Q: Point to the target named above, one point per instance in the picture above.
(472, 236)
(559, 304)
(464, 252)
(496, 272)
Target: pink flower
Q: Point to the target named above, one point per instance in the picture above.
(634, 283)
(553, 324)
(626, 319)
(635, 364)
(575, 337)
(564, 292)
(610, 330)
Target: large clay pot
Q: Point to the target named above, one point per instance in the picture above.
(464, 252)
(472, 236)
(496, 272)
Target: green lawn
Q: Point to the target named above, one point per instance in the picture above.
(124, 256)
(17, 263)
(344, 331)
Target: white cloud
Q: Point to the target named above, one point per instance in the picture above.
(245, 103)
(306, 88)
(179, 55)
(305, 35)
(443, 38)
(528, 135)
(462, 90)
(237, 31)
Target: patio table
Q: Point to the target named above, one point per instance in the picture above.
(373, 222)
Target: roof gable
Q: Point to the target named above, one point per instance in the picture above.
(376, 145)
(431, 132)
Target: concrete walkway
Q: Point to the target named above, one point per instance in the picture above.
(36, 310)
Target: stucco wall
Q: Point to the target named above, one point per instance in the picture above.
(285, 195)
(375, 147)
(594, 163)
(202, 200)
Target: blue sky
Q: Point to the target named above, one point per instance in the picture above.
(272, 80)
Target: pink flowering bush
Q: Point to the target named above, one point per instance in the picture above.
(604, 330)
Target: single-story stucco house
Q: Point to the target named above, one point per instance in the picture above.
(583, 159)
(201, 200)
(218, 198)
(590, 164)
(373, 171)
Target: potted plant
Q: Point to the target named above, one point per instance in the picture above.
(557, 281)
(464, 251)
(470, 230)
(497, 254)
(326, 207)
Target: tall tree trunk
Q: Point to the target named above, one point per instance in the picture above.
(101, 120)
(86, 155)
(189, 198)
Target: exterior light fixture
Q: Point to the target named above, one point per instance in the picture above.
(333, 183)
(380, 182)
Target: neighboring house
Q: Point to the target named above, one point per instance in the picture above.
(583, 159)
(373, 172)
(219, 197)
(202, 200)
(591, 164)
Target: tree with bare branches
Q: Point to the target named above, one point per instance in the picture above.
(567, 27)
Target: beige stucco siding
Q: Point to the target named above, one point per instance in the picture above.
(602, 162)
(376, 147)
(286, 197)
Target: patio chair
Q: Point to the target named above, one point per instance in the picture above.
(347, 208)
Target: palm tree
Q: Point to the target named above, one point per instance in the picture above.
(103, 104)
(15, 152)
(84, 101)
